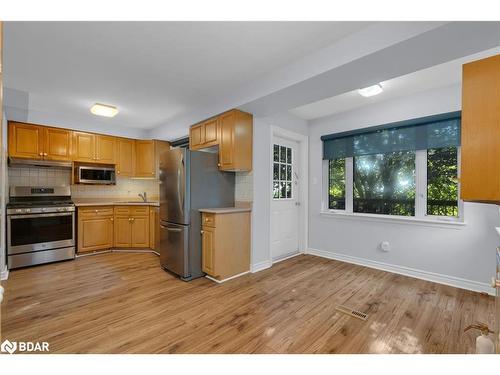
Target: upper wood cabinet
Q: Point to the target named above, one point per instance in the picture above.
(145, 159)
(39, 142)
(84, 147)
(205, 134)
(480, 148)
(125, 156)
(25, 140)
(147, 155)
(57, 144)
(233, 132)
(105, 149)
(93, 148)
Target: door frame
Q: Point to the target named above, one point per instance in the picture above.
(303, 198)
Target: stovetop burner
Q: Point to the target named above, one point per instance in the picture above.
(28, 200)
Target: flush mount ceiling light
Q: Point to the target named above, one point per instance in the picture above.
(371, 90)
(104, 110)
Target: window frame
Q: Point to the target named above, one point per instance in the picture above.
(420, 194)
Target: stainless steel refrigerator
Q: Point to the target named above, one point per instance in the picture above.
(189, 180)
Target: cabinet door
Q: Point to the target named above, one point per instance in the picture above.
(145, 159)
(152, 227)
(123, 227)
(105, 149)
(196, 137)
(226, 146)
(25, 140)
(211, 132)
(84, 147)
(57, 144)
(125, 157)
(95, 233)
(480, 151)
(208, 251)
(140, 231)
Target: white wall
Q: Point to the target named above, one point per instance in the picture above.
(261, 212)
(463, 256)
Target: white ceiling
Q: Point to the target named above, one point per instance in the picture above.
(152, 71)
(441, 75)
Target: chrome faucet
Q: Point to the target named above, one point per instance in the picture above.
(143, 196)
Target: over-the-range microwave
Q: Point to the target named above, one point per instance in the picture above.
(95, 175)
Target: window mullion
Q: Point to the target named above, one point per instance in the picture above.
(421, 184)
(349, 184)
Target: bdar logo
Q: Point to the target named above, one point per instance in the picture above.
(8, 347)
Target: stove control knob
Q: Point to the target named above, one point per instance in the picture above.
(28, 210)
(44, 209)
(19, 211)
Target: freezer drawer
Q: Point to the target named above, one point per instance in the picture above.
(174, 248)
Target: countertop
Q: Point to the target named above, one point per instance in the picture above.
(225, 210)
(86, 202)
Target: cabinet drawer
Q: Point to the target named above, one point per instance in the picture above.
(122, 210)
(139, 211)
(208, 219)
(96, 211)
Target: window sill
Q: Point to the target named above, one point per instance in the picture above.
(394, 219)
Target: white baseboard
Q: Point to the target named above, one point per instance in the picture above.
(256, 267)
(4, 274)
(406, 271)
(286, 257)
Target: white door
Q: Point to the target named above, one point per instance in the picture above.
(285, 198)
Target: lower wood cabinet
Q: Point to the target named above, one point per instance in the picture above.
(95, 228)
(154, 228)
(131, 226)
(225, 242)
(106, 227)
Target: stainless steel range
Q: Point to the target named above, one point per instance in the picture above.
(40, 225)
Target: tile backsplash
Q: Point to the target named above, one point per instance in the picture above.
(124, 188)
(243, 190)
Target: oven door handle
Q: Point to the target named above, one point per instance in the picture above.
(41, 215)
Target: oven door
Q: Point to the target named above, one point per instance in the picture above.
(96, 175)
(27, 233)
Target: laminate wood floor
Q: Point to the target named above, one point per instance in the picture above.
(125, 303)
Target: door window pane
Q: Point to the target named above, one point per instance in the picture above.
(442, 181)
(385, 183)
(282, 172)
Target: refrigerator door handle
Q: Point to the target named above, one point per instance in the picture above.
(171, 229)
(181, 185)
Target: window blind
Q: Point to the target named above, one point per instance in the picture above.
(416, 134)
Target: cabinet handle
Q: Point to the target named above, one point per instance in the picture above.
(202, 231)
(218, 164)
(96, 211)
(118, 172)
(111, 219)
(45, 154)
(40, 154)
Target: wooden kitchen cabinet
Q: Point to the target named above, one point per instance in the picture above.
(84, 147)
(204, 135)
(105, 147)
(39, 142)
(57, 144)
(25, 140)
(132, 226)
(225, 243)
(147, 154)
(154, 228)
(95, 228)
(145, 158)
(480, 137)
(232, 131)
(125, 158)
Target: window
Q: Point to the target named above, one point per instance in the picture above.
(409, 168)
(282, 172)
(442, 181)
(385, 183)
(336, 184)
